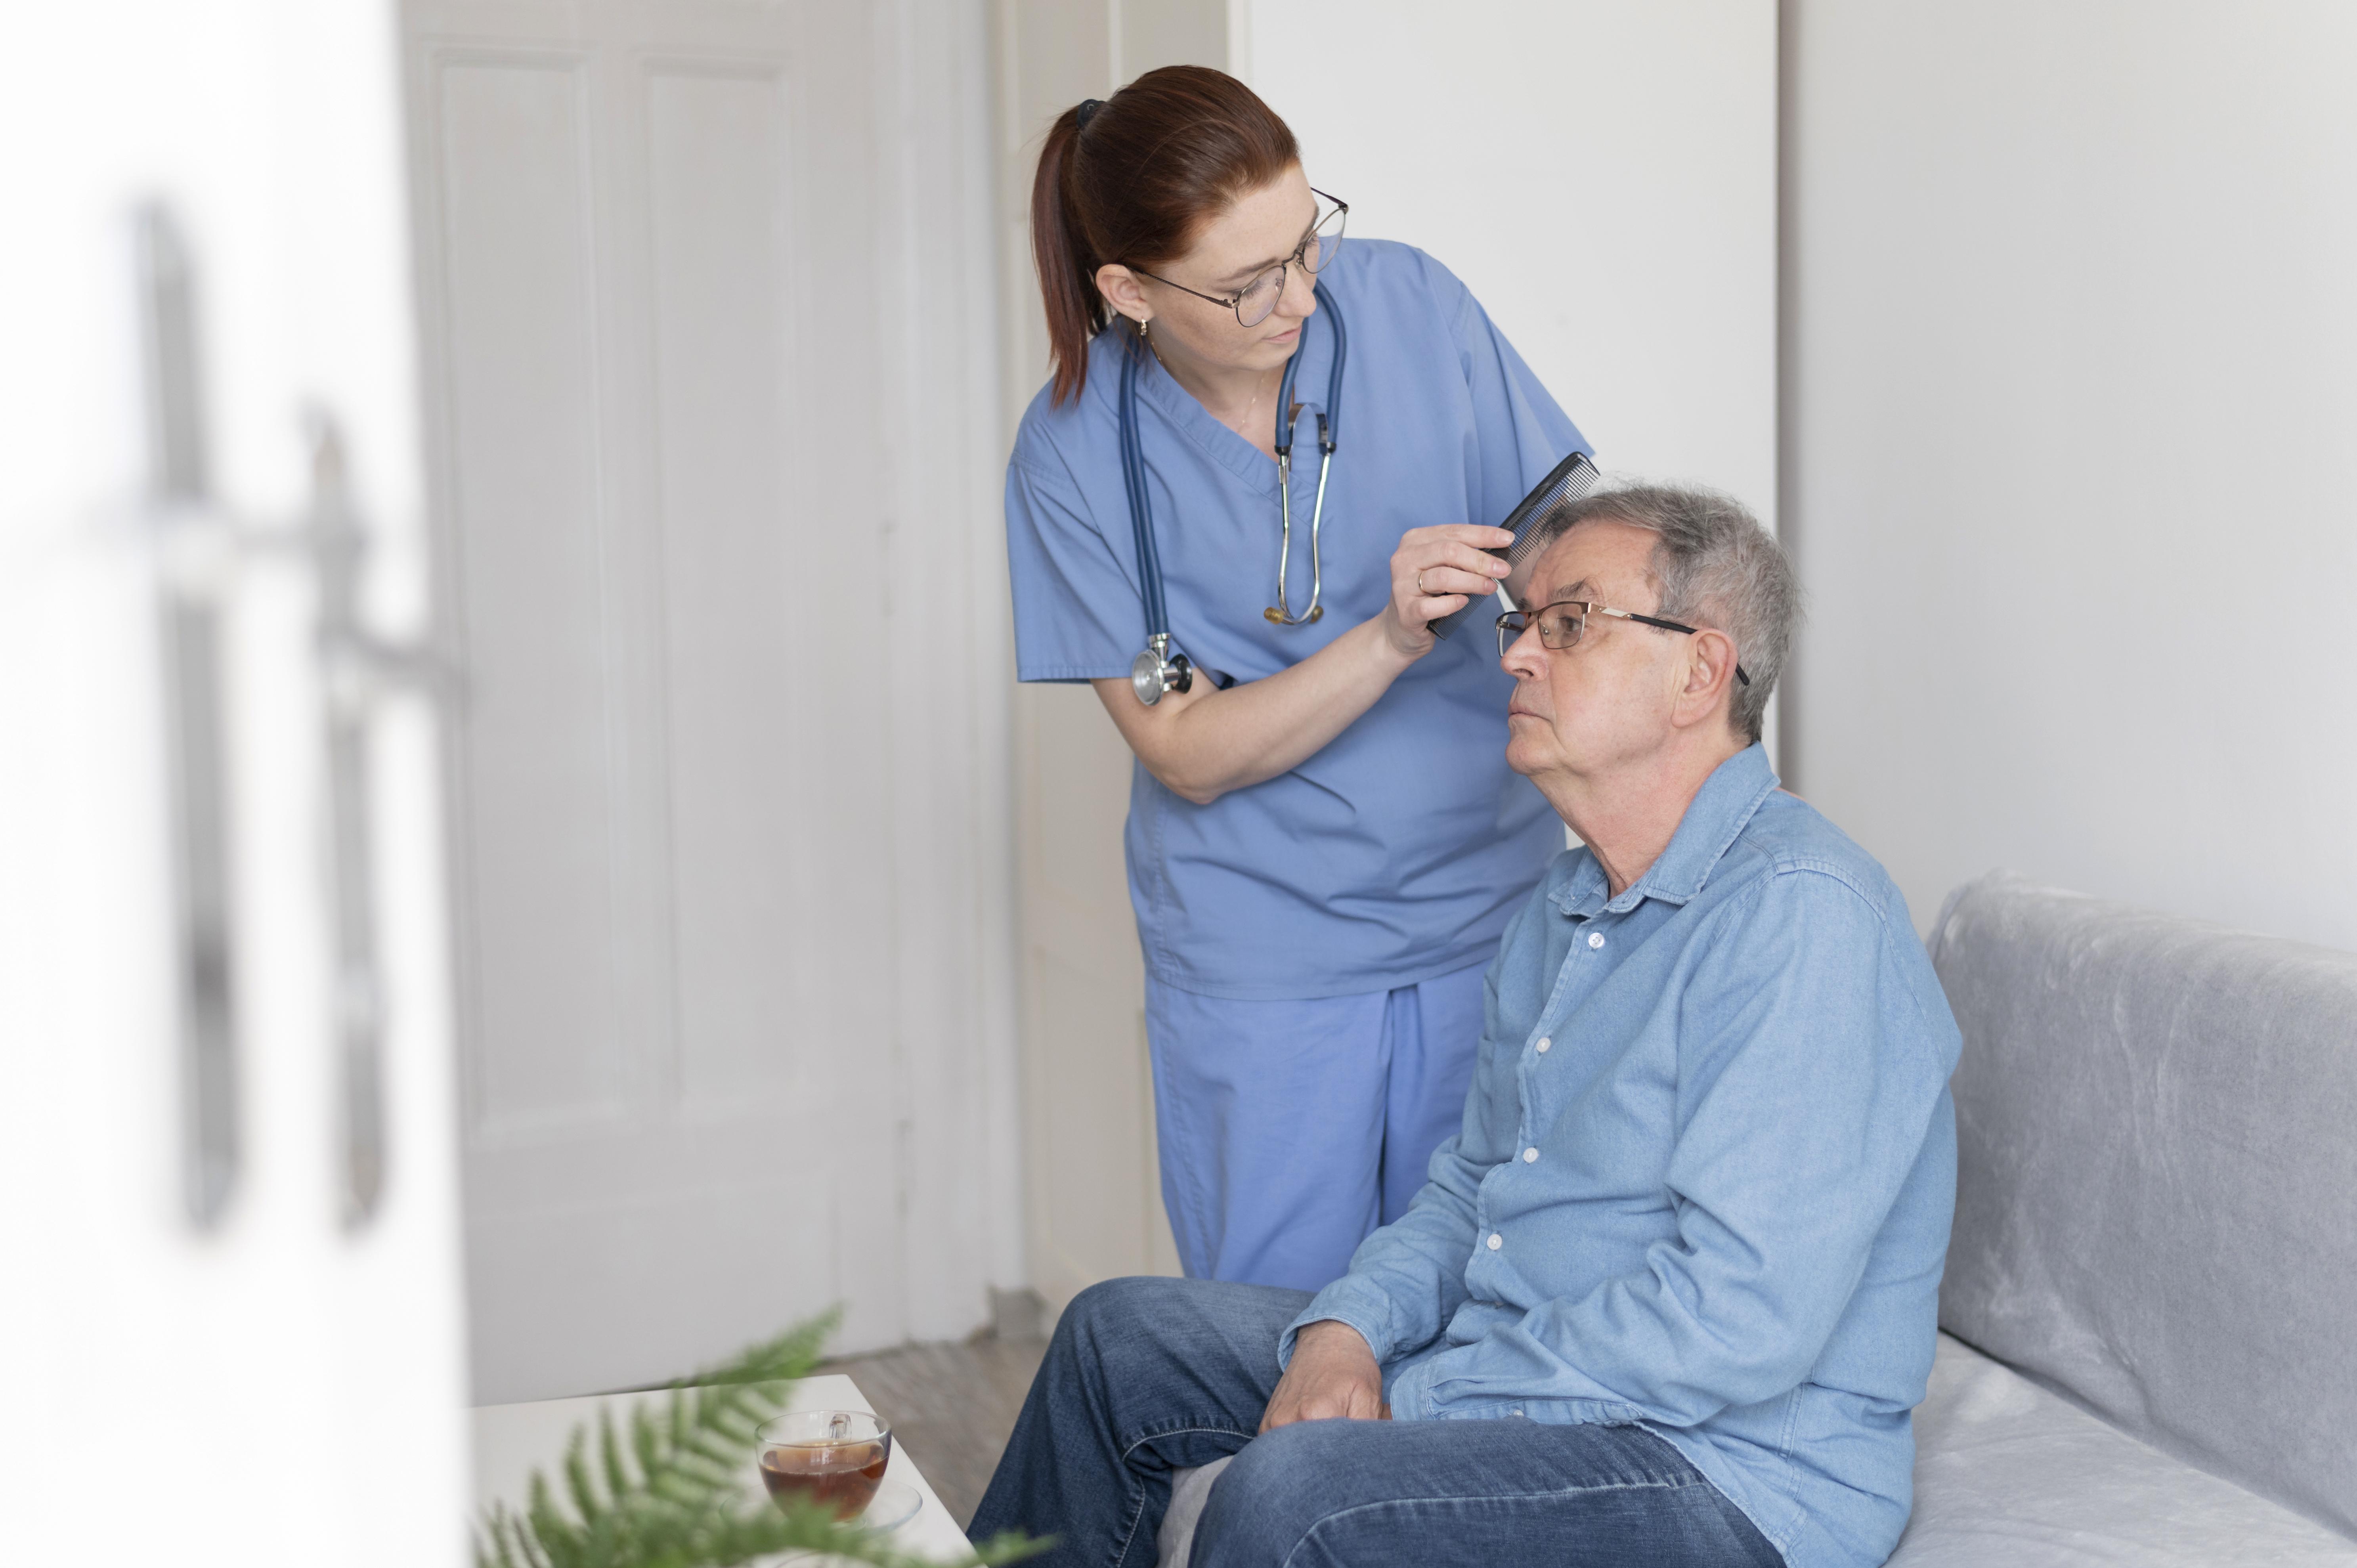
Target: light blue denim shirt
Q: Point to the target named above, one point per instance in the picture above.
(1705, 1179)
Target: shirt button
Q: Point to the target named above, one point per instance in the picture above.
(1496, 1241)
(1529, 1155)
(1544, 1041)
(1595, 939)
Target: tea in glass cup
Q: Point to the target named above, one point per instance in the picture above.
(832, 1458)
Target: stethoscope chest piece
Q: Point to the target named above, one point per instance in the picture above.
(1154, 673)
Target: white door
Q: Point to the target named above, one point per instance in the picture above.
(712, 437)
(231, 1330)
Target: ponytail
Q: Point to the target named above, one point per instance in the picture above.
(1061, 250)
(1132, 179)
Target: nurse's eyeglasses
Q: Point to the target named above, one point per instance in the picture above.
(1313, 255)
(1561, 624)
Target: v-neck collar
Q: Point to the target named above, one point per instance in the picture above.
(1157, 386)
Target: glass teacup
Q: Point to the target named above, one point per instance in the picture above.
(832, 1458)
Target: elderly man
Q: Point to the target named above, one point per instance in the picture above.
(1669, 1295)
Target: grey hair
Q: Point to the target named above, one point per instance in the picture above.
(1714, 566)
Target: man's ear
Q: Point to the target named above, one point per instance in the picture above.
(1709, 678)
(1122, 291)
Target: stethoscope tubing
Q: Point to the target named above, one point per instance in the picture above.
(1141, 505)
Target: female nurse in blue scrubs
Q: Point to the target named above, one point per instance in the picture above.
(1324, 840)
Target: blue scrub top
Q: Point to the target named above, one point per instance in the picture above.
(1397, 853)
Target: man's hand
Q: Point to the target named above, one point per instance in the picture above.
(1332, 1377)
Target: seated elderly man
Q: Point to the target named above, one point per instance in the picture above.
(1668, 1297)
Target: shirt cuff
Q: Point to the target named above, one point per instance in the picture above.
(1349, 1300)
(1411, 1393)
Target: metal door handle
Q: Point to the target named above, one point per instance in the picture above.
(204, 931)
(357, 668)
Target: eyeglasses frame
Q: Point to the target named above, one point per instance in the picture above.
(1236, 303)
(1588, 607)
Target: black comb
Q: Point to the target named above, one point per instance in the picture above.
(1568, 482)
(1572, 479)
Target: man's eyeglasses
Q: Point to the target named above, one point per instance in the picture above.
(1561, 624)
(1313, 255)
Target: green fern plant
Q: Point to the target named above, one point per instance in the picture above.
(670, 1491)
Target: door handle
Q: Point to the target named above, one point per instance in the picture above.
(203, 928)
(357, 669)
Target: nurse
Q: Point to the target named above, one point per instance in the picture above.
(1324, 841)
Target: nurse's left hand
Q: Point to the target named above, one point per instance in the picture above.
(1437, 572)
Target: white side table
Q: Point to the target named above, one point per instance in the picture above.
(514, 1440)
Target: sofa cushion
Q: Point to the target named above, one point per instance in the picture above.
(2157, 1177)
(2009, 1475)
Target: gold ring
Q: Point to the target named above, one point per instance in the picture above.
(1419, 580)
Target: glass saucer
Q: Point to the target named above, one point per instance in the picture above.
(896, 1504)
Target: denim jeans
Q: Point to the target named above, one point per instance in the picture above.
(1146, 1376)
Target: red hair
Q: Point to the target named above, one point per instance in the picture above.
(1156, 161)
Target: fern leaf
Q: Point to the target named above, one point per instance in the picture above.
(609, 1457)
(678, 1497)
(576, 1479)
(645, 1440)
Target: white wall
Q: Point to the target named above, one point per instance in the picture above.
(2071, 445)
(1601, 172)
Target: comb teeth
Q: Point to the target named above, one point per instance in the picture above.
(1571, 479)
(1578, 482)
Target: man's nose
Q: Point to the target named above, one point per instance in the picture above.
(1525, 657)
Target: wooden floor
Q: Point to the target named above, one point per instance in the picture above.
(952, 1406)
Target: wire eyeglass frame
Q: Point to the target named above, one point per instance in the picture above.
(1513, 623)
(1326, 245)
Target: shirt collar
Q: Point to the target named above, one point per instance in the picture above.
(1720, 812)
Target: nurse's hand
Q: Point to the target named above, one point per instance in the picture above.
(1437, 572)
(1332, 1377)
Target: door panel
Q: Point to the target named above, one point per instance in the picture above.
(531, 604)
(740, 761)
(676, 481)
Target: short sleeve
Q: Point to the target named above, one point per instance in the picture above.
(1523, 433)
(1077, 615)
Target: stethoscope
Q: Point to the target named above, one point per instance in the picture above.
(1158, 670)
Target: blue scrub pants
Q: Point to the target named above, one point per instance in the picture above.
(1290, 1131)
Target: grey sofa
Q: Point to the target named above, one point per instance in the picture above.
(2149, 1314)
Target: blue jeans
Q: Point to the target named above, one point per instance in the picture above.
(1289, 1131)
(1149, 1375)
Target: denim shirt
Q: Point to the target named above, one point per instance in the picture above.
(1705, 1178)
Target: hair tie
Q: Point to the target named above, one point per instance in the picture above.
(1086, 112)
